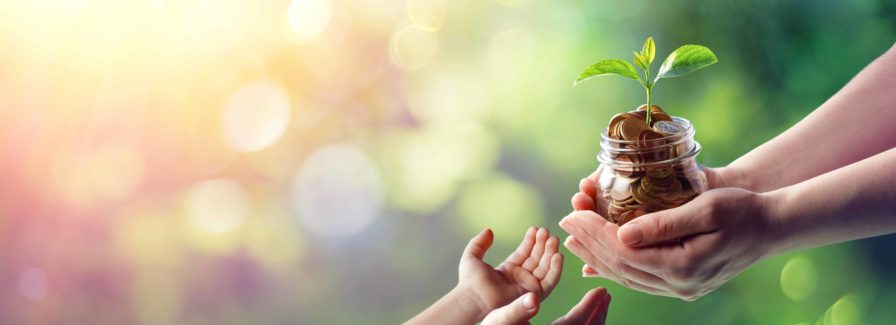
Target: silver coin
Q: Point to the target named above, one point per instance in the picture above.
(668, 127)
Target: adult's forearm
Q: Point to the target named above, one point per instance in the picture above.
(854, 124)
(852, 202)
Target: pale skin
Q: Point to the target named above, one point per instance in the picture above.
(510, 294)
(828, 179)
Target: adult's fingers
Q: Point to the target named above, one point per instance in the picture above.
(517, 312)
(589, 272)
(652, 285)
(480, 243)
(587, 310)
(579, 249)
(588, 186)
(594, 229)
(667, 225)
(600, 315)
(581, 201)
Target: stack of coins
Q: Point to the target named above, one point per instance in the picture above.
(647, 173)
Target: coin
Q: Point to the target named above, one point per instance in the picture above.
(641, 196)
(628, 165)
(669, 127)
(653, 108)
(660, 171)
(659, 116)
(649, 138)
(631, 128)
(639, 114)
(614, 122)
(631, 215)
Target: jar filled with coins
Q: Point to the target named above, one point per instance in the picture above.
(645, 167)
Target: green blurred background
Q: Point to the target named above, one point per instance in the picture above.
(317, 162)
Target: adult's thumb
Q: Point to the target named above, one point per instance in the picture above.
(517, 312)
(663, 226)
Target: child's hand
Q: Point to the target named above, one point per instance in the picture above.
(534, 267)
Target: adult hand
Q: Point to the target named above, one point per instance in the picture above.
(592, 310)
(685, 252)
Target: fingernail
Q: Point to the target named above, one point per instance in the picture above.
(588, 275)
(630, 233)
(529, 301)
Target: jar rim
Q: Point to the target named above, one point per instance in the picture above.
(619, 146)
(606, 160)
(605, 135)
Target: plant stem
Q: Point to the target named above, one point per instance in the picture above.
(648, 86)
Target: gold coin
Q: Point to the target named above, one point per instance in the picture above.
(649, 139)
(639, 114)
(653, 108)
(631, 215)
(660, 171)
(659, 116)
(641, 196)
(614, 122)
(627, 165)
(631, 128)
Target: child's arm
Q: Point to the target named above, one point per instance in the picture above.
(591, 310)
(534, 267)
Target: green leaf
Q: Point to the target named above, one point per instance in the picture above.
(649, 50)
(640, 61)
(605, 67)
(684, 60)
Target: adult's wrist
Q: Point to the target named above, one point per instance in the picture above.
(779, 233)
(733, 176)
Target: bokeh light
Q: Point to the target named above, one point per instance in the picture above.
(307, 19)
(428, 15)
(338, 191)
(255, 116)
(845, 311)
(291, 161)
(799, 278)
(513, 53)
(217, 206)
(428, 164)
(84, 178)
(412, 48)
(505, 205)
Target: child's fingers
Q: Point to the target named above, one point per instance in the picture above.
(535, 256)
(551, 247)
(524, 249)
(518, 311)
(553, 276)
(480, 243)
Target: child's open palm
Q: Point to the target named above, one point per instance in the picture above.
(534, 267)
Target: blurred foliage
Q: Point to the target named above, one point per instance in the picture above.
(149, 177)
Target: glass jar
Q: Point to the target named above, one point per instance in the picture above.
(648, 175)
